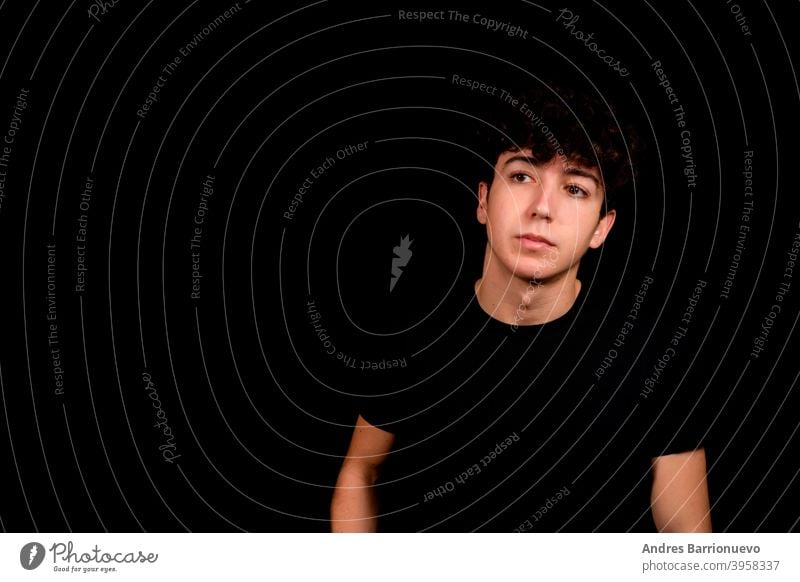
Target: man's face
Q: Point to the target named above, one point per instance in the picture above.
(541, 218)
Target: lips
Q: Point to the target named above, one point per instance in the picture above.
(534, 241)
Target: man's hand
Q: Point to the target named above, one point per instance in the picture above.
(679, 498)
(354, 507)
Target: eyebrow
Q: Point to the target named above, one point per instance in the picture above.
(570, 170)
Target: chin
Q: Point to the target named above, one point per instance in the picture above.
(531, 274)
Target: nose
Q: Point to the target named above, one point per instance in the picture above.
(541, 195)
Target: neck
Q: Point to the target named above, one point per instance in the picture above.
(516, 301)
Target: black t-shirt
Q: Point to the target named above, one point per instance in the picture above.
(529, 428)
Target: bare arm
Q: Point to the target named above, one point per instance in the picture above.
(679, 498)
(354, 506)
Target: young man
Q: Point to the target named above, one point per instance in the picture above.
(504, 433)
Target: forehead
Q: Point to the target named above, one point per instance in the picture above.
(557, 160)
(562, 163)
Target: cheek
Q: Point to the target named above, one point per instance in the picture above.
(507, 210)
(586, 223)
(497, 209)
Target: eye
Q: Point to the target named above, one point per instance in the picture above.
(520, 177)
(576, 191)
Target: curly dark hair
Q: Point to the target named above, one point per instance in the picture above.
(555, 121)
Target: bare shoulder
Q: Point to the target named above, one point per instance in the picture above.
(679, 497)
(369, 444)
(692, 460)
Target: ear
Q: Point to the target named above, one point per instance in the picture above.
(483, 198)
(603, 228)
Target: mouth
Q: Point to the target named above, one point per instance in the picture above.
(534, 242)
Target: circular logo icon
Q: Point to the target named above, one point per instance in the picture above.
(31, 555)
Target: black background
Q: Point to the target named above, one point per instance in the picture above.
(259, 419)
